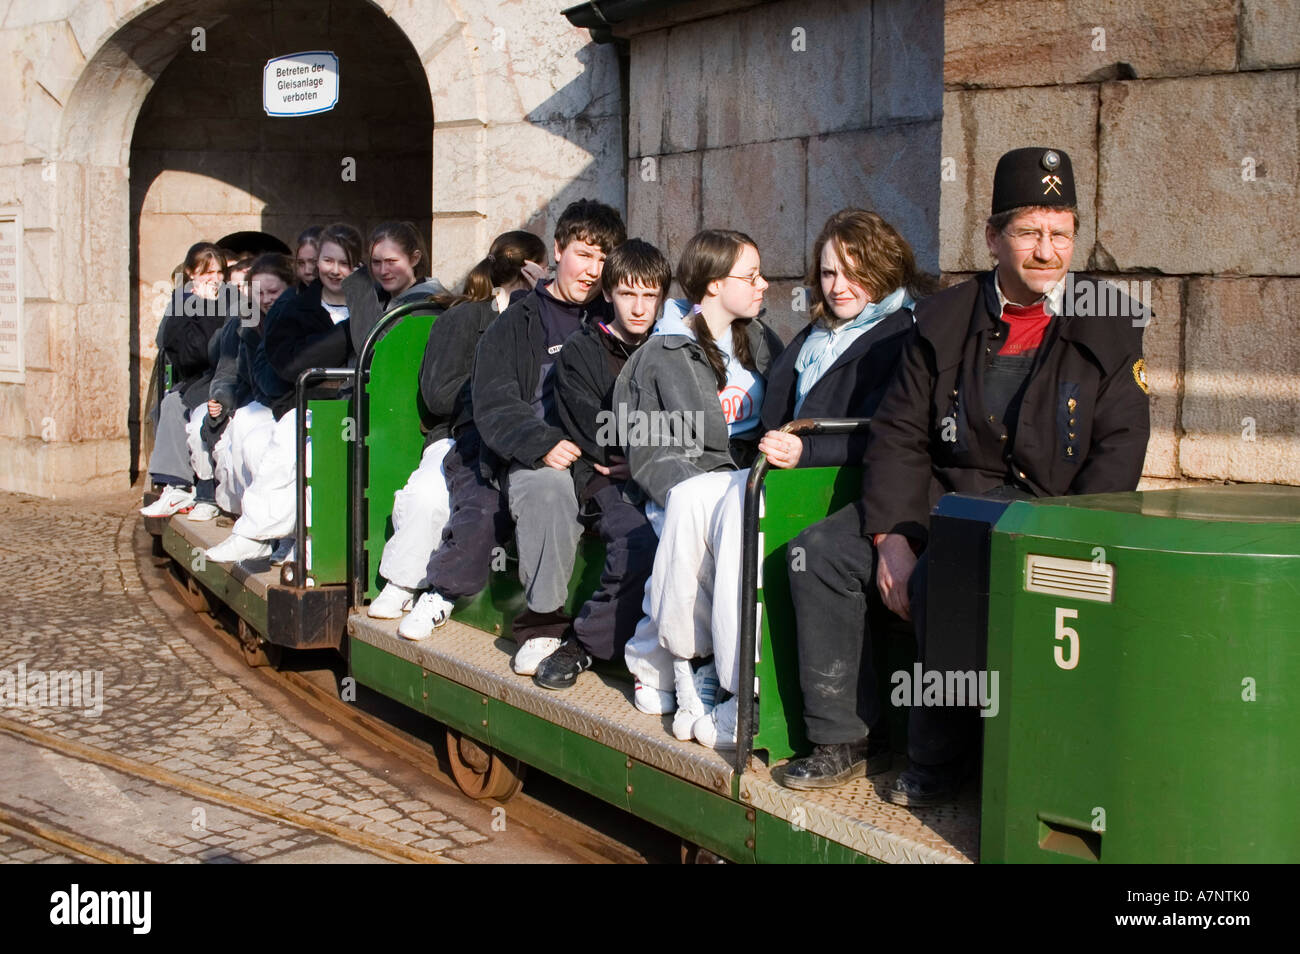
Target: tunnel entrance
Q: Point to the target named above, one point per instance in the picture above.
(206, 160)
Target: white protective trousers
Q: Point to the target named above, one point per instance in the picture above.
(270, 504)
(420, 510)
(692, 600)
(200, 460)
(239, 451)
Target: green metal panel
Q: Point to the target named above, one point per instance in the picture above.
(1177, 730)
(394, 441)
(582, 762)
(795, 499)
(332, 433)
(216, 577)
(779, 842)
(706, 818)
(387, 674)
(711, 821)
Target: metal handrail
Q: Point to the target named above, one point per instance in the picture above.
(358, 572)
(308, 378)
(749, 577)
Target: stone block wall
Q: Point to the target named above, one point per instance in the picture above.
(769, 117)
(1182, 119)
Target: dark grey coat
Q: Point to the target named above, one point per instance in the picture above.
(670, 373)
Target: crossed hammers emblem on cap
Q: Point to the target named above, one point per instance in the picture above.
(1052, 184)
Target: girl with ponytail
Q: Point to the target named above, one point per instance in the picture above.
(695, 388)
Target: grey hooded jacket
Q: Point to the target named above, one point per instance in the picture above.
(669, 373)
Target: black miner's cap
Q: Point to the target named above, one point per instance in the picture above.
(1033, 176)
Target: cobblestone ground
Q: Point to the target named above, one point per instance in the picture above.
(15, 850)
(71, 598)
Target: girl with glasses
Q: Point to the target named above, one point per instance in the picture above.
(688, 405)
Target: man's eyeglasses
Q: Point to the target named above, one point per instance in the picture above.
(1022, 240)
(751, 279)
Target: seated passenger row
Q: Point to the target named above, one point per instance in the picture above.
(560, 405)
(562, 384)
(549, 397)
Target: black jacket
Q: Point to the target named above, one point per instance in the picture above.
(1083, 423)
(585, 372)
(448, 361)
(507, 364)
(851, 387)
(185, 339)
(301, 336)
(227, 387)
(254, 366)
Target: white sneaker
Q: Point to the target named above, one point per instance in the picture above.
(235, 549)
(204, 511)
(284, 551)
(429, 612)
(697, 692)
(706, 684)
(717, 730)
(531, 654)
(173, 500)
(391, 603)
(653, 701)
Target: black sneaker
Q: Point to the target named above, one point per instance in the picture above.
(923, 785)
(561, 669)
(830, 766)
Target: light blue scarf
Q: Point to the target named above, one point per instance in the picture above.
(823, 347)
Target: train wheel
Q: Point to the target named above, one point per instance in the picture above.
(693, 854)
(190, 591)
(482, 772)
(257, 651)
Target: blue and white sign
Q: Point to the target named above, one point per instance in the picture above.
(300, 84)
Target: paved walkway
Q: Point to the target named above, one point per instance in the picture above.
(72, 601)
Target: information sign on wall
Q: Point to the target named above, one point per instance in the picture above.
(300, 84)
(11, 297)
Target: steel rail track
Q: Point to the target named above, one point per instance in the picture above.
(371, 844)
(61, 841)
(550, 823)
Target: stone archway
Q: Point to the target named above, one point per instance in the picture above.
(206, 160)
(529, 117)
(85, 404)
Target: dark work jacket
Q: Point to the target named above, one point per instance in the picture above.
(448, 361)
(585, 372)
(302, 335)
(507, 364)
(1083, 422)
(851, 387)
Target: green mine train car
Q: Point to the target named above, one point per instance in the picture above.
(1138, 656)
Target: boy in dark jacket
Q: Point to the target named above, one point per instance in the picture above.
(428, 550)
(635, 281)
(513, 392)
